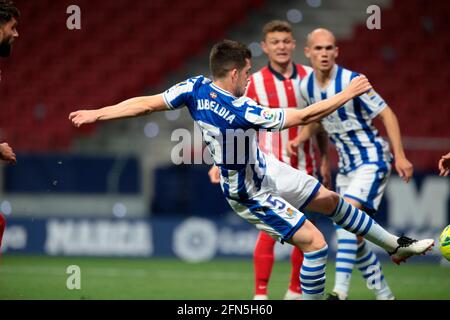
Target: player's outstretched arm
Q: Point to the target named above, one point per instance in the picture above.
(321, 109)
(444, 165)
(402, 165)
(129, 108)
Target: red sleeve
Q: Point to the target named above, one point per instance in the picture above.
(251, 91)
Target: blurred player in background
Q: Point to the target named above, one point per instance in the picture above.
(260, 188)
(278, 86)
(444, 165)
(9, 16)
(364, 157)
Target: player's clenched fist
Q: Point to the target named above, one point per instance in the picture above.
(7, 153)
(81, 117)
(214, 175)
(444, 165)
(359, 85)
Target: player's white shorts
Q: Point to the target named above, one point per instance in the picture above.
(366, 184)
(276, 208)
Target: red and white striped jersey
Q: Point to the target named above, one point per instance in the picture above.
(271, 89)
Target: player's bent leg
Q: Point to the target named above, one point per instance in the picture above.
(312, 274)
(263, 259)
(357, 221)
(324, 201)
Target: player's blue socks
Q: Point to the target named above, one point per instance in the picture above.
(312, 274)
(357, 221)
(345, 261)
(370, 267)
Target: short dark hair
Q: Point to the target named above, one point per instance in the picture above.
(276, 26)
(226, 56)
(8, 11)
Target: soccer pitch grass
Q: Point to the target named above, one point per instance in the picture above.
(31, 277)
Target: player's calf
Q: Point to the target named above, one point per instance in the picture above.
(312, 274)
(308, 238)
(315, 250)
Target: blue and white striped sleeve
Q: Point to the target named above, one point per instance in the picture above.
(372, 103)
(263, 117)
(176, 96)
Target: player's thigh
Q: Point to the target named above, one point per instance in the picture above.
(293, 185)
(367, 186)
(324, 202)
(270, 213)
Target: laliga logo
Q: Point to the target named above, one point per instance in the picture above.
(268, 115)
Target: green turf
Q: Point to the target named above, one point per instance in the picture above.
(25, 277)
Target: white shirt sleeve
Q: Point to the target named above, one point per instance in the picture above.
(177, 95)
(262, 117)
(372, 103)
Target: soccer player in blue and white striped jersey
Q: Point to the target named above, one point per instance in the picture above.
(364, 156)
(263, 190)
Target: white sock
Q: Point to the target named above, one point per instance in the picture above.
(345, 261)
(370, 267)
(312, 274)
(357, 221)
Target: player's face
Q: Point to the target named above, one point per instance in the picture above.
(242, 81)
(279, 47)
(322, 51)
(8, 33)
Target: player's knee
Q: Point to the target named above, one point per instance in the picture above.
(331, 201)
(317, 241)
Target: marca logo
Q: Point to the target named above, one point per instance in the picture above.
(100, 238)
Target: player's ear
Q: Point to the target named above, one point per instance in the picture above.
(234, 73)
(264, 46)
(307, 52)
(336, 52)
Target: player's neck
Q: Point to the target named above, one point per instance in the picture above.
(225, 84)
(285, 69)
(323, 77)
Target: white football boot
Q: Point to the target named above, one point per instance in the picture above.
(408, 247)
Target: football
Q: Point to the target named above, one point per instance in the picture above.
(444, 243)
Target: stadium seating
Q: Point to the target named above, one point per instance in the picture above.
(123, 49)
(407, 61)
